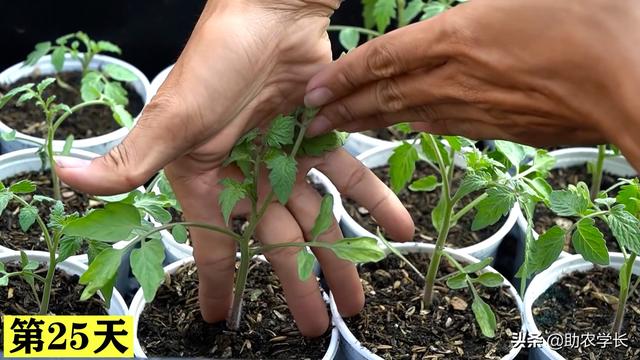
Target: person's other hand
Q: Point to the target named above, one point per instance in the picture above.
(540, 72)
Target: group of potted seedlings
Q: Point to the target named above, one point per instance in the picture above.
(62, 252)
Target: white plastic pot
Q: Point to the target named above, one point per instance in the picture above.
(176, 251)
(99, 144)
(378, 157)
(565, 158)
(357, 143)
(544, 280)
(71, 267)
(138, 303)
(354, 350)
(158, 80)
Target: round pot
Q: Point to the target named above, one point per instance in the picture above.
(357, 143)
(176, 251)
(378, 157)
(71, 267)
(99, 144)
(565, 158)
(138, 303)
(544, 280)
(353, 349)
(158, 80)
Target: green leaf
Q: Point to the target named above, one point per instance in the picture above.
(437, 214)
(154, 205)
(115, 222)
(543, 161)
(24, 259)
(13, 92)
(119, 73)
(281, 131)
(69, 246)
(516, 153)
(27, 217)
(232, 192)
(589, 242)
(5, 197)
(540, 187)
(319, 145)
(23, 187)
(473, 181)
(383, 12)
(499, 202)
(484, 316)
(91, 87)
(411, 11)
(117, 93)
(282, 175)
(427, 183)
(68, 144)
(568, 202)
(624, 276)
(40, 50)
(180, 234)
(57, 58)
(402, 165)
(629, 196)
(490, 279)
(122, 116)
(305, 260)
(349, 38)
(4, 280)
(25, 97)
(458, 281)
(106, 46)
(431, 152)
(475, 267)
(95, 248)
(432, 9)
(146, 265)
(324, 218)
(8, 136)
(625, 228)
(358, 250)
(367, 13)
(546, 250)
(101, 272)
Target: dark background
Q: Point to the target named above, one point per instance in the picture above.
(150, 33)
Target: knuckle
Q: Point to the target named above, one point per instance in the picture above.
(346, 79)
(425, 113)
(382, 61)
(389, 97)
(121, 160)
(356, 177)
(344, 113)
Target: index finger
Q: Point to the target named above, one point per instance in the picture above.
(420, 45)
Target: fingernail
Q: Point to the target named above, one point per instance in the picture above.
(71, 162)
(318, 126)
(318, 97)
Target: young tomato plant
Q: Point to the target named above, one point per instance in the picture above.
(274, 149)
(54, 114)
(486, 178)
(596, 168)
(619, 213)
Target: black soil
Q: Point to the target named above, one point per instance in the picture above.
(560, 179)
(420, 205)
(172, 326)
(18, 299)
(584, 304)
(12, 236)
(393, 326)
(88, 122)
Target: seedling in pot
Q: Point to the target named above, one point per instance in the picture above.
(596, 168)
(274, 149)
(619, 213)
(487, 176)
(54, 114)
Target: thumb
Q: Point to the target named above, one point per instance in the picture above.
(149, 146)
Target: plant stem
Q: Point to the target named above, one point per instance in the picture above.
(49, 150)
(596, 179)
(400, 13)
(356, 28)
(457, 216)
(64, 116)
(241, 282)
(48, 282)
(624, 295)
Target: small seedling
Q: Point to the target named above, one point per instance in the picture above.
(596, 168)
(274, 149)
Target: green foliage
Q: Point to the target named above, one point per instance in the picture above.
(498, 203)
(146, 265)
(358, 250)
(305, 260)
(233, 191)
(349, 38)
(402, 165)
(115, 222)
(282, 175)
(325, 217)
(383, 12)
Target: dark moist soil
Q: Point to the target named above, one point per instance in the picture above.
(584, 303)
(393, 326)
(172, 326)
(420, 205)
(18, 299)
(13, 237)
(560, 179)
(88, 122)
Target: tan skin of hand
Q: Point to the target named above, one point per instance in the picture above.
(246, 61)
(540, 72)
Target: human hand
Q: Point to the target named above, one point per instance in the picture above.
(539, 72)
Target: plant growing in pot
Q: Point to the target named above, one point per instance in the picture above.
(274, 149)
(82, 74)
(582, 283)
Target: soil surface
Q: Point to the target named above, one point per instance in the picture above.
(88, 122)
(420, 205)
(393, 326)
(18, 298)
(12, 236)
(560, 179)
(583, 304)
(172, 325)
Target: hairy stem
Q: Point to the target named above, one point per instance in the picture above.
(457, 216)
(596, 179)
(624, 296)
(241, 282)
(356, 28)
(64, 116)
(48, 282)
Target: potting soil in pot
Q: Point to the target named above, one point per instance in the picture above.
(12, 236)
(172, 326)
(420, 205)
(583, 305)
(18, 299)
(560, 179)
(393, 326)
(85, 123)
